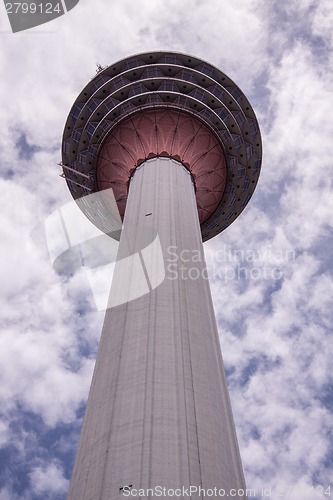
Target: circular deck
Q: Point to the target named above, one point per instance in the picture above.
(164, 104)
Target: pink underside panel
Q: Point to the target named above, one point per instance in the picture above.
(164, 132)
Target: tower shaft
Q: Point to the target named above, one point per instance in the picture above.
(158, 412)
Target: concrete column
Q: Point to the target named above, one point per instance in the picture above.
(158, 412)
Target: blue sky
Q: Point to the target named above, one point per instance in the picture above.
(271, 271)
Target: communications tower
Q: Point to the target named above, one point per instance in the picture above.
(179, 144)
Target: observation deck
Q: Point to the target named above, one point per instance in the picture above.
(163, 104)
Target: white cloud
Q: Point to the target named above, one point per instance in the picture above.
(275, 333)
(322, 22)
(48, 479)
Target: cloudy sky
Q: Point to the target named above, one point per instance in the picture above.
(271, 271)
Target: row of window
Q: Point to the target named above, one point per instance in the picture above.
(239, 117)
(253, 127)
(238, 140)
(249, 150)
(236, 93)
(100, 80)
(76, 110)
(166, 85)
(111, 103)
(168, 59)
(224, 135)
